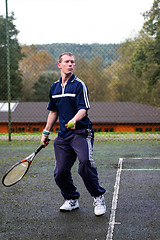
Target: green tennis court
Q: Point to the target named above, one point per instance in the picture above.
(128, 170)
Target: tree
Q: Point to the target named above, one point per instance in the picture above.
(33, 65)
(42, 86)
(145, 62)
(123, 84)
(135, 76)
(147, 56)
(152, 17)
(152, 28)
(15, 57)
(92, 74)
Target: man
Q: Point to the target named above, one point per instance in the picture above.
(68, 100)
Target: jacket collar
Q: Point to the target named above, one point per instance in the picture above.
(72, 78)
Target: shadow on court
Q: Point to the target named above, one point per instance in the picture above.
(30, 209)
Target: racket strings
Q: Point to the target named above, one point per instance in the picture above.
(16, 173)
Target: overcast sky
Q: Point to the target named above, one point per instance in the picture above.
(77, 21)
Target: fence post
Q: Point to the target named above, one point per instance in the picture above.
(8, 74)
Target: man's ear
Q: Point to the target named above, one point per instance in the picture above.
(59, 65)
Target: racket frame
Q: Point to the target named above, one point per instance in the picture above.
(28, 159)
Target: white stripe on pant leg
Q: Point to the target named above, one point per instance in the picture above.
(90, 149)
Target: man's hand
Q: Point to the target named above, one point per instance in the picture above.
(71, 124)
(45, 141)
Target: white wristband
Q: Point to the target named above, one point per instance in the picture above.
(45, 133)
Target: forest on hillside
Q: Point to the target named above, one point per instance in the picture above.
(108, 52)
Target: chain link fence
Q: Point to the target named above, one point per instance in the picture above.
(123, 81)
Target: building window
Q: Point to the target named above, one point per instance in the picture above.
(139, 130)
(99, 130)
(21, 129)
(35, 129)
(157, 129)
(108, 129)
(57, 129)
(148, 130)
(12, 130)
(94, 129)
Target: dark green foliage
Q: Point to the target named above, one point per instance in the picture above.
(150, 55)
(15, 57)
(42, 86)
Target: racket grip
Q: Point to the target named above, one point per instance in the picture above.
(41, 146)
(47, 140)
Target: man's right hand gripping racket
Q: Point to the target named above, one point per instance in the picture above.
(18, 170)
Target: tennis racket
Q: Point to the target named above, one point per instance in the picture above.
(18, 170)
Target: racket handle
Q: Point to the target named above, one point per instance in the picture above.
(41, 146)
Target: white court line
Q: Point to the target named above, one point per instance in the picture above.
(141, 169)
(140, 158)
(112, 221)
(114, 201)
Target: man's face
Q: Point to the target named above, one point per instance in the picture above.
(67, 64)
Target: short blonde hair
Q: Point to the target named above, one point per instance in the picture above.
(65, 53)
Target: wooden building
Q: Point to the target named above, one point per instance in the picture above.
(106, 117)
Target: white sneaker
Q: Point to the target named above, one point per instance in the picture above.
(99, 206)
(69, 205)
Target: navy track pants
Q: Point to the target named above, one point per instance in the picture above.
(78, 145)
